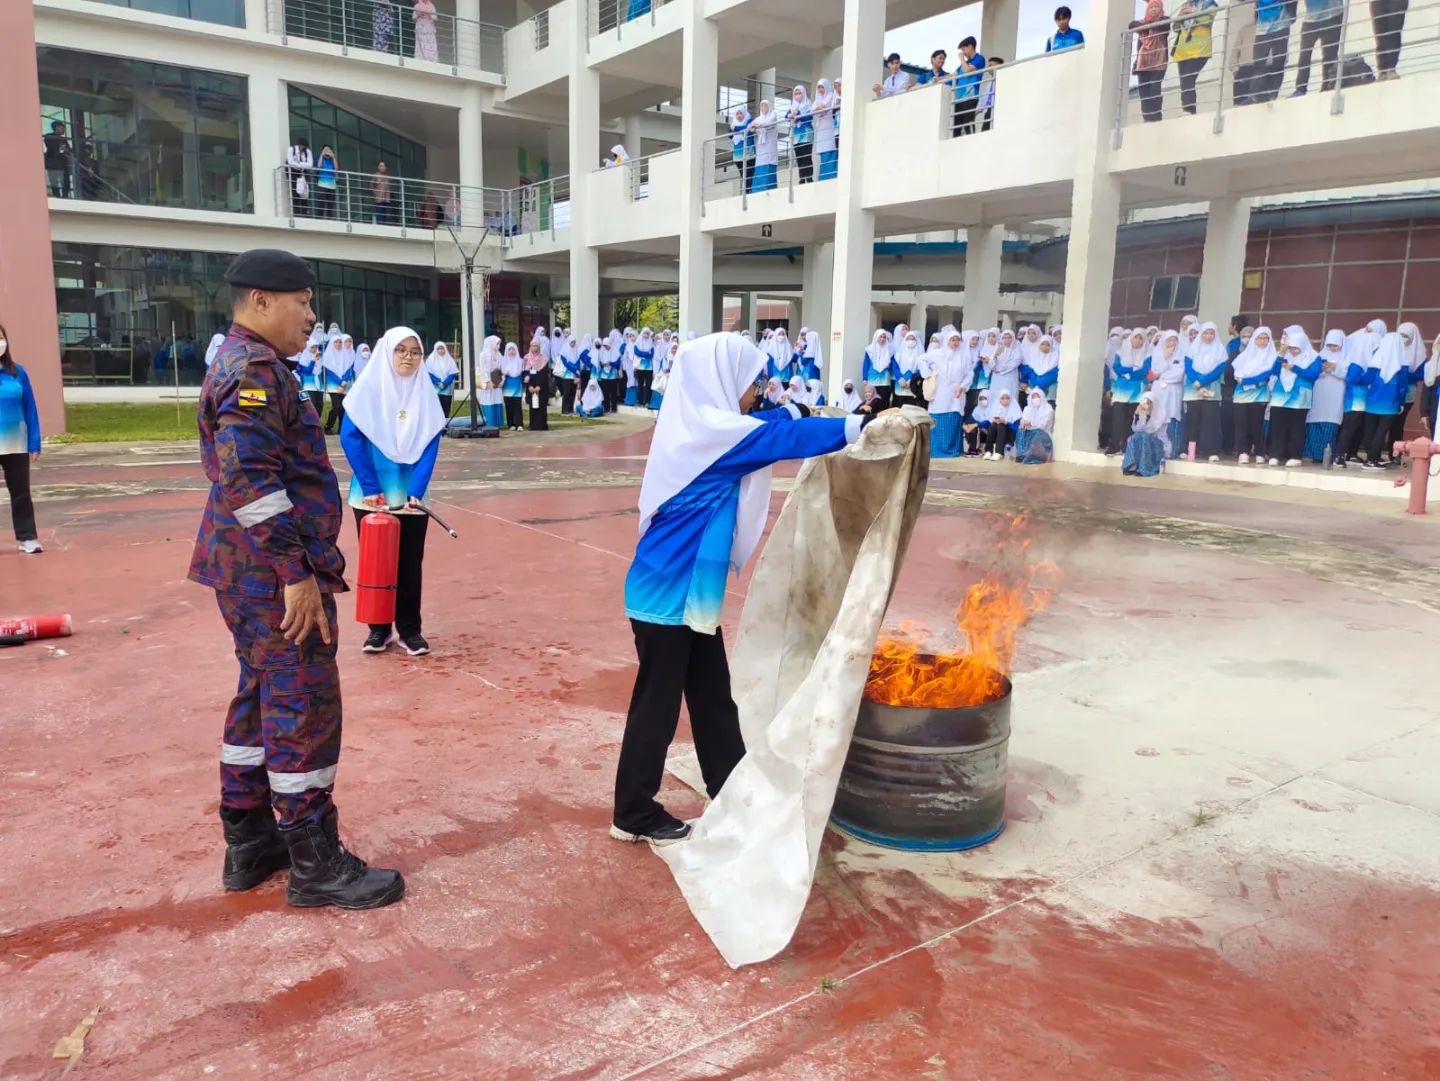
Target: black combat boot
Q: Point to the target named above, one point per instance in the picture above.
(254, 849)
(322, 872)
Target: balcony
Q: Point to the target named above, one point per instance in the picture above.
(154, 175)
(386, 32)
(641, 200)
(538, 219)
(794, 205)
(537, 53)
(619, 17)
(396, 203)
(1014, 154)
(1238, 125)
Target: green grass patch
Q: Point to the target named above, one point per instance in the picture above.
(128, 422)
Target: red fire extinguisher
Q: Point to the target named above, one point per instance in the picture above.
(29, 627)
(379, 568)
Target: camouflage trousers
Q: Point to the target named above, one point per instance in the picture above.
(282, 732)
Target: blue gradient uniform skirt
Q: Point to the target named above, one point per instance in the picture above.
(494, 415)
(762, 178)
(1033, 446)
(1144, 455)
(829, 164)
(1318, 436)
(945, 437)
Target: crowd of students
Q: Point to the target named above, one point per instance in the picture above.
(1265, 397)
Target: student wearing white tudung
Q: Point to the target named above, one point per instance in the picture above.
(742, 145)
(1130, 370)
(391, 437)
(1004, 424)
(440, 366)
(802, 133)
(952, 370)
(1205, 364)
(850, 400)
(592, 402)
(512, 368)
(878, 368)
(1327, 403)
(766, 132)
(492, 396)
(703, 506)
(812, 359)
(908, 378)
(1167, 365)
(568, 371)
(1355, 370)
(1389, 377)
(823, 113)
(1033, 445)
(1257, 364)
(339, 365)
(662, 377)
(643, 366)
(1291, 396)
(1149, 442)
(1042, 369)
(1005, 368)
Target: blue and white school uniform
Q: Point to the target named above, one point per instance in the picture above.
(492, 396)
(1033, 443)
(952, 370)
(1169, 385)
(742, 143)
(311, 372)
(878, 367)
(1327, 401)
(1148, 445)
(1389, 379)
(662, 377)
(19, 415)
(823, 114)
(592, 402)
(440, 366)
(812, 360)
(1041, 368)
(766, 133)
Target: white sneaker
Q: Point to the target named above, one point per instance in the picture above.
(1292, 463)
(31, 547)
(1214, 457)
(1244, 459)
(1274, 461)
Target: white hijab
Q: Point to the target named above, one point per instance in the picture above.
(799, 103)
(881, 355)
(362, 358)
(593, 395)
(812, 348)
(909, 354)
(1414, 352)
(1002, 412)
(1204, 356)
(1007, 357)
(1389, 358)
(440, 363)
(1155, 423)
(1295, 335)
(1254, 360)
(512, 363)
(701, 422)
(799, 393)
(1130, 354)
(399, 414)
(1041, 362)
(213, 348)
(1040, 413)
(849, 399)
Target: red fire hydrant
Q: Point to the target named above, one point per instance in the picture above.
(1419, 451)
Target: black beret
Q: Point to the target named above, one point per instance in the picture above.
(271, 269)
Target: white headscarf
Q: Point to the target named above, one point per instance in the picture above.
(617, 155)
(1130, 354)
(799, 103)
(362, 358)
(1039, 412)
(399, 414)
(213, 348)
(1007, 413)
(1389, 358)
(593, 395)
(543, 338)
(766, 116)
(338, 358)
(1041, 362)
(981, 412)
(774, 391)
(784, 351)
(512, 363)
(799, 393)
(849, 399)
(1156, 423)
(1204, 356)
(701, 422)
(909, 354)
(812, 348)
(1007, 357)
(1295, 335)
(440, 363)
(881, 355)
(1030, 350)
(1414, 352)
(1254, 360)
(815, 392)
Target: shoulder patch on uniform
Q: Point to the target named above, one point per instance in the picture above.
(254, 397)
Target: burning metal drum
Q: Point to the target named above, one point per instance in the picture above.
(926, 778)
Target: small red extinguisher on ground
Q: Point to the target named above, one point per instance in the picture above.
(379, 568)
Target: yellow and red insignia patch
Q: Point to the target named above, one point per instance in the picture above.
(254, 398)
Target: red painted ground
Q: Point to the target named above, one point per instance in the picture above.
(530, 945)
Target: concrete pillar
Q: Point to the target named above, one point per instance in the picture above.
(918, 316)
(27, 284)
(864, 38)
(256, 12)
(765, 85)
(468, 9)
(1222, 275)
(472, 159)
(269, 140)
(631, 140)
(584, 94)
(700, 78)
(827, 66)
(1000, 29)
(815, 302)
(984, 257)
(747, 312)
(1094, 218)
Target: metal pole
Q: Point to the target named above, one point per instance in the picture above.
(175, 366)
(470, 329)
(1219, 125)
(1337, 103)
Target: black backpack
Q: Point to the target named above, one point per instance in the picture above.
(1355, 71)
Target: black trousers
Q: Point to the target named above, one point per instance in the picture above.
(1287, 433)
(965, 116)
(584, 382)
(1397, 429)
(567, 397)
(1202, 426)
(409, 579)
(540, 413)
(447, 402)
(16, 468)
(1387, 17)
(972, 434)
(317, 399)
(1151, 94)
(514, 412)
(614, 393)
(805, 159)
(997, 437)
(337, 411)
(1377, 429)
(1122, 417)
(1326, 34)
(1352, 433)
(883, 395)
(643, 381)
(1189, 72)
(1271, 51)
(324, 202)
(675, 662)
(1250, 428)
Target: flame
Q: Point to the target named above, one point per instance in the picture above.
(904, 672)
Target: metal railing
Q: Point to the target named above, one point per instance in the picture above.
(602, 16)
(395, 201)
(153, 175)
(389, 28)
(781, 95)
(541, 24)
(729, 167)
(543, 207)
(1208, 58)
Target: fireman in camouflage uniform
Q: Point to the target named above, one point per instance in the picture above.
(267, 546)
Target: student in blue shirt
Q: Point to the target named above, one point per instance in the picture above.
(937, 72)
(1065, 36)
(968, 73)
(391, 438)
(1273, 19)
(1388, 381)
(19, 445)
(1321, 26)
(703, 506)
(1129, 375)
(1257, 364)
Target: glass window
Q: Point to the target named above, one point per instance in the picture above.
(153, 134)
(225, 12)
(1161, 292)
(359, 144)
(1187, 292)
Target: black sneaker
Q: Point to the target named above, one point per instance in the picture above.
(667, 832)
(1367, 464)
(377, 640)
(415, 645)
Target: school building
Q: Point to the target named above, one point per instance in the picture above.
(1070, 198)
